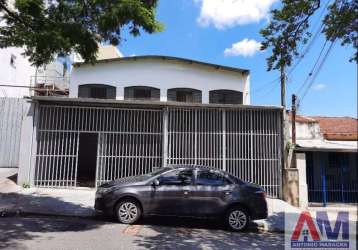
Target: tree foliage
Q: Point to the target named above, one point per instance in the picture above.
(46, 29)
(290, 24)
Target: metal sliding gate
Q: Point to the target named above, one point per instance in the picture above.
(244, 142)
(333, 180)
(133, 141)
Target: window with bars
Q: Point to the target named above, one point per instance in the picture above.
(100, 91)
(184, 95)
(141, 93)
(225, 96)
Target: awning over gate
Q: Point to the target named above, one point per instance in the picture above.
(327, 146)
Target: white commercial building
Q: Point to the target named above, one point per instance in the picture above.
(160, 78)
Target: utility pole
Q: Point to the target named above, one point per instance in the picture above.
(283, 87)
(294, 98)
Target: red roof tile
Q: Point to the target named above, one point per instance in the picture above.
(338, 128)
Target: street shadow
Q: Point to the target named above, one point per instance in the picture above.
(14, 230)
(189, 233)
(12, 206)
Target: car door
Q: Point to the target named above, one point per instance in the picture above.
(211, 193)
(171, 196)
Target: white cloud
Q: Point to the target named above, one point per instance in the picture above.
(228, 13)
(243, 48)
(319, 87)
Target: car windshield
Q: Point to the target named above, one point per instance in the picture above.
(158, 172)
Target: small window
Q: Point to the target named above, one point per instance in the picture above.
(13, 60)
(100, 91)
(184, 95)
(177, 177)
(223, 96)
(141, 93)
(210, 178)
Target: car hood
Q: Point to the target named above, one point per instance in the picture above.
(253, 186)
(132, 180)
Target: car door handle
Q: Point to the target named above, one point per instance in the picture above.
(227, 192)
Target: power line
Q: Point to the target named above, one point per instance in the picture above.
(315, 74)
(307, 49)
(313, 39)
(313, 68)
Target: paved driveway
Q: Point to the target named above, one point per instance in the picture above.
(157, 233)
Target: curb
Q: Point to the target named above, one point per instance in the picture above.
(265, 227)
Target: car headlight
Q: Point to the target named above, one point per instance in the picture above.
(102, 191)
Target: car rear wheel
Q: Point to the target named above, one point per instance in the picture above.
(237, 218)
(128, 211)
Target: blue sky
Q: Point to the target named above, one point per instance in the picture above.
(204, 29)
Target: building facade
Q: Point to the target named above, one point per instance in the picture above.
(73, 142)
(330, 169)
(160, 78)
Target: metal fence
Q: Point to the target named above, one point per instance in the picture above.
(332, 182)
(133, 141)
(12, 111)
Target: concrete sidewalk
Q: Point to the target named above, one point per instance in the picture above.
(65, 202)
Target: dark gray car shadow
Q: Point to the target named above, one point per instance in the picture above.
(187, 233)
(11, 234)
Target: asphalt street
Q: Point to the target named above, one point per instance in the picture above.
(34, 232)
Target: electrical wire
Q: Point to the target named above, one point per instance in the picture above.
(315, 74)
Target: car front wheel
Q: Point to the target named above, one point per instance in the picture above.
(128, 211)
(237, 219)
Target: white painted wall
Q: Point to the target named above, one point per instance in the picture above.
(14, 75)
(306, 131)
(18, 75)
(159, 73)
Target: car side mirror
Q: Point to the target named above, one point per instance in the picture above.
(155, 183)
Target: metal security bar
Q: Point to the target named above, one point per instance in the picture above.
(331, 177)
(245, 143)
(195, 136)
(129, 143)
(12, 111)
(134, 141)
(253, 147)
(131, 146)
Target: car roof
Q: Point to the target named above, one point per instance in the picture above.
(176, 166)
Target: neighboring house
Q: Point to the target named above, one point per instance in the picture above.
(159, 78)
(19, 78)
(15, 70)
(330, 148)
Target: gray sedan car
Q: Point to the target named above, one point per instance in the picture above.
(183, 191)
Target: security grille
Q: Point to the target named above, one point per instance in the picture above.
(12, 111)
(131, 146)
(134, 141)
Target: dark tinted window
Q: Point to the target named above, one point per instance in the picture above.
(141, 93)
(177, 177)
(100, 91)
(210, 178)
(184, 95)
(224, 96)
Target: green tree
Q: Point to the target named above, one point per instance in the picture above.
(289, 27)
(46, 29)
